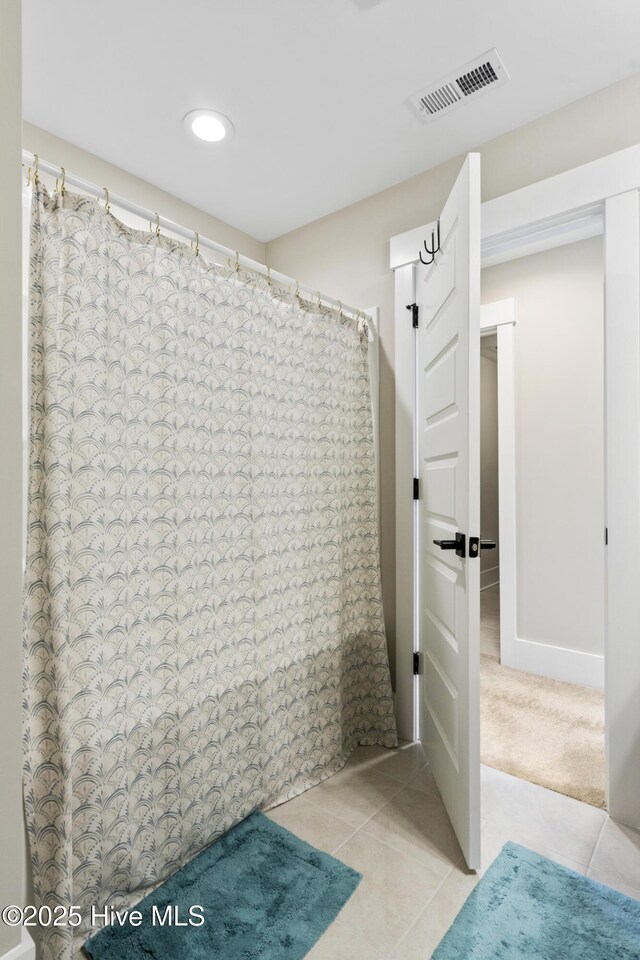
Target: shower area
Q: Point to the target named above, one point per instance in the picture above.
(204, 633)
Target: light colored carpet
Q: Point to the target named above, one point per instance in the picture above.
(544, 731)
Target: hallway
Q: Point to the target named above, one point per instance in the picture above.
(545, 731)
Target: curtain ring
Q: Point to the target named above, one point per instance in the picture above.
(36, 169)
(237, 262)
(107, 205)
(63, 188)
(29, 177)
(297, 289)
(269, 275)
(197, 247)
(158, 226)
(319, 301)
(340, 309)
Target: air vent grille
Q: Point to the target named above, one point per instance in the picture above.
(487, 71)
(440, 99)
(477, 79)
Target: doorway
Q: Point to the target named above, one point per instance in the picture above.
(542, 663)
(600, 198)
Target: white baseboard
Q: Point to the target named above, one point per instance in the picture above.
(26, 949)
(559, 663)
(496, 583)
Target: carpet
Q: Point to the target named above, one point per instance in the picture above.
(528, 907)
(544, 731)
(265, 895)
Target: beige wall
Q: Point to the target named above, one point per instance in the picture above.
(12, 847)
(489, 501)
(86, 165)
(347, 253)
(559, 362)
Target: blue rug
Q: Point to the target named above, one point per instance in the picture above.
(528, 908)
(265, 895)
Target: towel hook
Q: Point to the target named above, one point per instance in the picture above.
(425, 262)
(435, 245)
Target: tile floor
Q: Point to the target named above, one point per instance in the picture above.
(490, 621)
(382, 815)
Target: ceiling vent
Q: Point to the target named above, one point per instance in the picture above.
(475, 78)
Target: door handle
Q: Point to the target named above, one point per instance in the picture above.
(459, 544)
(476, 545)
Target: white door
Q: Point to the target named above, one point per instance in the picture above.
(448, 409)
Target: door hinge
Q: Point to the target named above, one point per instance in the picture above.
(414, 314)
(416, 488)
(416, 664)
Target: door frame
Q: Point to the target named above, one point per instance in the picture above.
(600, 197)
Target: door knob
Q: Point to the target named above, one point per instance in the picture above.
(476, 545)
(459, 544)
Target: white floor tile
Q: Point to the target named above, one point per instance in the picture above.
(531, 815)
(354, 795)
(311, 823)
(400, 764)
(616, 859)
(431, 925)
(383, 816)
(416, 823)
(424, 780)
(392, 893)
(494, 837)
(337, 943)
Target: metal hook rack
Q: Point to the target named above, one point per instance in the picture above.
(434, 248)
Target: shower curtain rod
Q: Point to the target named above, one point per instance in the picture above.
(101, 193)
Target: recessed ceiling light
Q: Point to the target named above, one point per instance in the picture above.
(208, 125)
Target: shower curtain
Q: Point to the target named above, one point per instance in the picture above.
(203, 619)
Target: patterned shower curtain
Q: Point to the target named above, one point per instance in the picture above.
(203, 618)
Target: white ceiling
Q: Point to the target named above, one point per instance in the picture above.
(316, 89)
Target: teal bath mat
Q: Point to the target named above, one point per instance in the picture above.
(528, 908)
(264, 894)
